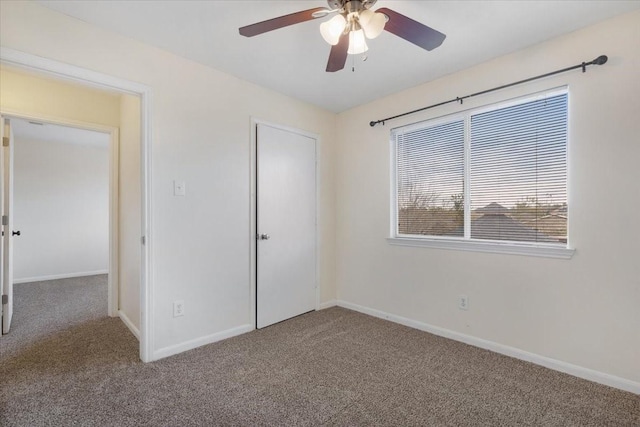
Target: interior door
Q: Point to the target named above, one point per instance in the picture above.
(7, 225)
(286, 224)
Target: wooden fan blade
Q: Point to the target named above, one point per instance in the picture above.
(281, 21)
(412, 31)
(338, 54)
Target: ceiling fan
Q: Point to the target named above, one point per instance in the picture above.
(353, 23)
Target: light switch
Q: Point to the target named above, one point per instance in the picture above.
(179, 188)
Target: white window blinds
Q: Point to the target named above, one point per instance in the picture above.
(515, 158)
(430, 180)
(518, 178)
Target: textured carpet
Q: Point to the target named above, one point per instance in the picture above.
(65, 363)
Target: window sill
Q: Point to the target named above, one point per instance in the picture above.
(548, 251)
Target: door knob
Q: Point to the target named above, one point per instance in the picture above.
(15, 233)
(263, 237)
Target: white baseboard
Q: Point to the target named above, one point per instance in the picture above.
(198, 342)
(60, 276)
(547, 362)
(328, 304)
(129, 324)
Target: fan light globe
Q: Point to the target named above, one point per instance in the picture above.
(365, 16)
(332, 29)
(357, 43)
(372, 23)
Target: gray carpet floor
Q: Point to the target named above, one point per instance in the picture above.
(66, 364)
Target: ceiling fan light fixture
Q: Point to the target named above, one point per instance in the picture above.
(365, 16)
(353, 24)
(372, 23)
(332, 29)
(357, 43)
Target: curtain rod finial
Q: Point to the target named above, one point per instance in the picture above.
(602, 59)
(372, 124)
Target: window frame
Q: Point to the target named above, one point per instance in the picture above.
(540, 249)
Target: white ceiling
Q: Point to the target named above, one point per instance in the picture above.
(38, 131)
(292, 60)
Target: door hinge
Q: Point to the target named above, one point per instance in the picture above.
(5, 220)
(5, 141)
(143, 240)
(5, 299)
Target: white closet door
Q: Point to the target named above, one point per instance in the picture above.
(286, 224)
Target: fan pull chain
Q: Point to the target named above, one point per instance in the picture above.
(353, 61)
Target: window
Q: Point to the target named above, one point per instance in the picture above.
(490, 179)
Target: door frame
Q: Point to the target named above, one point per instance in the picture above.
(114, 147)
(253, 260)
(62, 71)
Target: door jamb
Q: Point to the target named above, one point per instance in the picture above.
(253, 211)
(86, 77)
(114, 147)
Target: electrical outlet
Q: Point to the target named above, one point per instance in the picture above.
(178, 308)
(463, 302)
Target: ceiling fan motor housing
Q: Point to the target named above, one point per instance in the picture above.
(354, 6)
(350, 6)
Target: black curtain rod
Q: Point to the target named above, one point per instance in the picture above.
(598, 61)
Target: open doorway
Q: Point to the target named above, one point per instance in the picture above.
(61, 211)
(70, 244)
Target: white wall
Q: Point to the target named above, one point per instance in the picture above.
(61, 207)
(200, 134)
(130, 209)
(33, 95)
(583, 311)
